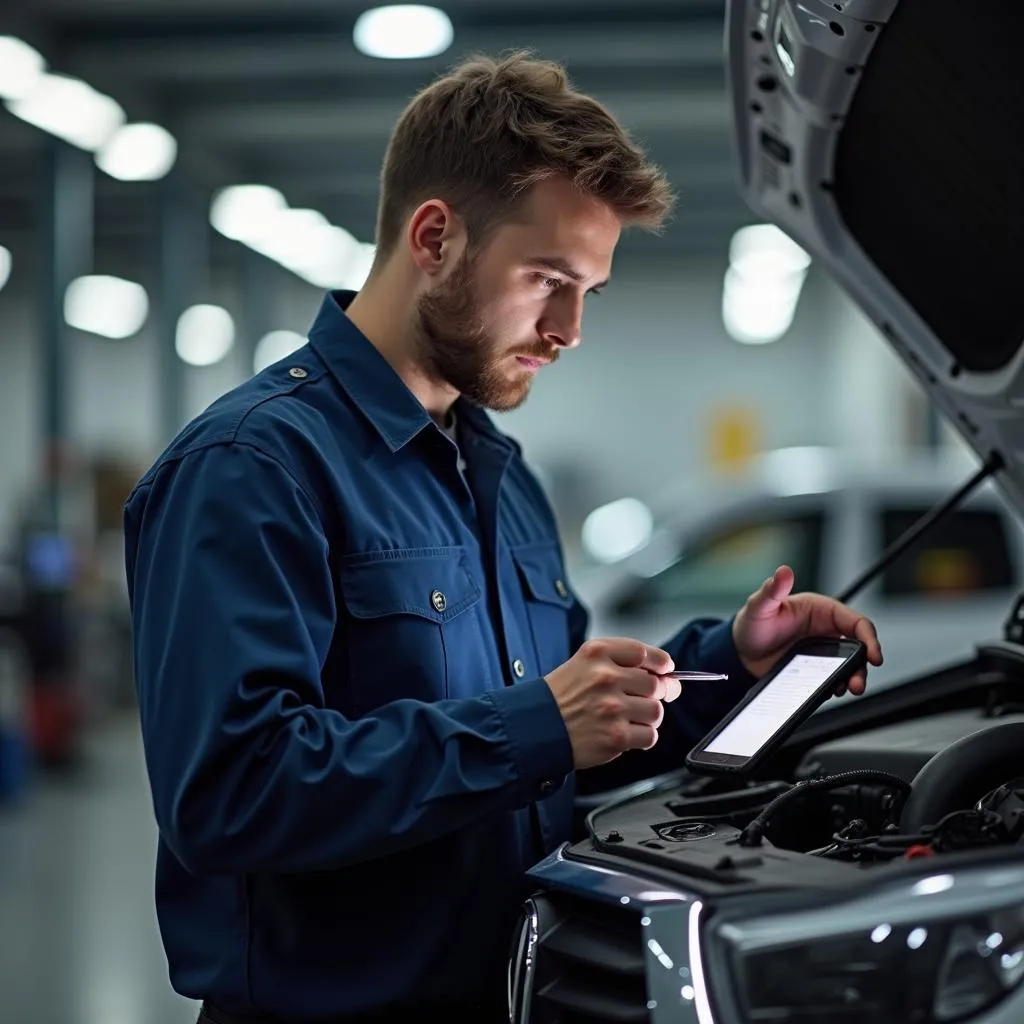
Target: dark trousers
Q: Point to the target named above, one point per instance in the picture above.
(454, 1013)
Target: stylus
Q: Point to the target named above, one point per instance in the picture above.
(695, 676)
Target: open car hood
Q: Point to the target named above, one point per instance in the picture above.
(886, 137)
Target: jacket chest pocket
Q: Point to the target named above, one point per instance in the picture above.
(548, 601)
(412, 619)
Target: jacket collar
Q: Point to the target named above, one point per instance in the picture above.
(372, 383)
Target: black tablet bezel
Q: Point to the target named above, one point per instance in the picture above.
(854, 654)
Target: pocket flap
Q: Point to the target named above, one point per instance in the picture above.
(433, 583)
(540, 566)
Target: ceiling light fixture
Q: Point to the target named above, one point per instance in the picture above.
(77, 113)
(403, 32)
(763, 250)
(108, 306)
(204, 335)
(70, 109)
(763, 284)
(5, 265)
(138, 152)
(303, 241)
(21, 68)
(243, 212)
(291, 237)
(324, 260)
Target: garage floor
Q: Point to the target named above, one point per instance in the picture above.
(78, 934)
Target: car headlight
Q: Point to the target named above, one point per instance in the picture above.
(933, 951)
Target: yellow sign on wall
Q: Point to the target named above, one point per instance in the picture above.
(733, 435)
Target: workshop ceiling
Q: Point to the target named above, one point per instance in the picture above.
(276, 92)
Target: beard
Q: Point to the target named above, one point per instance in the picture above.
(457, 347)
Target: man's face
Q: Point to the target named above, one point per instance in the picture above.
(492, 323)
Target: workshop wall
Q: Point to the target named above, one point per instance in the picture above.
(627, 413)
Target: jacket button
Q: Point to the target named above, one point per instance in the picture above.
(561, 589)
(519, 668)
(298, 372)
(547, 787)
(439, 601)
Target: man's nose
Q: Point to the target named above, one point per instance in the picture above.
(563, 339)
(563, 327)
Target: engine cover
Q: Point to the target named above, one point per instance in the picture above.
(898, 749)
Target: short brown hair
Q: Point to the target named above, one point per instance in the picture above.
(482, 135)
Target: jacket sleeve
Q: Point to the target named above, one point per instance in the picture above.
(233, 608)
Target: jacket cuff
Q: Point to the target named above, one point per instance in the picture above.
(537, 736)
(718, 654)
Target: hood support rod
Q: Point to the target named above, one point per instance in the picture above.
(989, 468)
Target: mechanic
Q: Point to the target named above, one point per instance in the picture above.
(363, 680)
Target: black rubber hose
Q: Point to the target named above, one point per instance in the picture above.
(751, 835)
(962, 773)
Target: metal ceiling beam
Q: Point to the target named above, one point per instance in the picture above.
(303, 56)
(319, 184)
(369, 121)
(349, 8)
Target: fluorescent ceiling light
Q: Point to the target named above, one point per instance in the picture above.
(763, 283)
(70, 109)
(274, 347)
(303, 241)
(327, 258)
(764, 250)
(108, 306)
(614, 531)
(289, 236)
(21, 68)
(348, 267)
(403, 31)
(5, 265)
(343, 263)
(204, 335)
(243, 212)
(758, 311)
(138, 152)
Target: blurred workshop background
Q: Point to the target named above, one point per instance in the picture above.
(179, 182)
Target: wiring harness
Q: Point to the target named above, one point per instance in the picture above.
(753, 834)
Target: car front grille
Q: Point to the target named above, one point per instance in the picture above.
(579, 962)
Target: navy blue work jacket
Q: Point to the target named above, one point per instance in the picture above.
(340, 639)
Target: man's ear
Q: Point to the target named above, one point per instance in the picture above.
(436, 237)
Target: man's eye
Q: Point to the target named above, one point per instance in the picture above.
(550, 282)
(595, 291)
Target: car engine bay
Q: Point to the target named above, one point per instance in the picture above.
(805, 879)
(944, 780)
